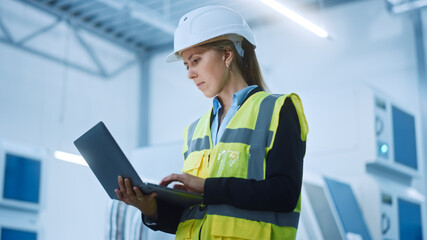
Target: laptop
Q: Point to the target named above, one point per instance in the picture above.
(107, 161)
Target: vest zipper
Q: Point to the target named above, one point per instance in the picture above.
(201, 209)
(200, 231)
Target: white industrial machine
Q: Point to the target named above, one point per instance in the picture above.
(331, 210)
(396, 142)
(393, 211)
(16, 225)
(21, 191)
(20, 176)
(359, 208)
(356, 130)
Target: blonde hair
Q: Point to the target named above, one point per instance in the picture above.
(248, 64)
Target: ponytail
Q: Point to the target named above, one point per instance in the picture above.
(249, 66)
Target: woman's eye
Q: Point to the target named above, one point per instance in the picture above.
(193, 62)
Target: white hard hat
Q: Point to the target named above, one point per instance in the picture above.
(205, 23)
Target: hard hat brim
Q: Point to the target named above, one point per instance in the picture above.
(176, 55)
(173, 57)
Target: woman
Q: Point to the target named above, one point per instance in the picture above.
(245, 155)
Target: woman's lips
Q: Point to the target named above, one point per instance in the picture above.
(199, 84)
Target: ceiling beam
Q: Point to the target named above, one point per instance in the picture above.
(399, 6)
(144, 14)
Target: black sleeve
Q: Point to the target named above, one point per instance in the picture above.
(168, 218)
(281, 189)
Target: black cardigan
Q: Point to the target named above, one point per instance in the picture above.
(279, 191)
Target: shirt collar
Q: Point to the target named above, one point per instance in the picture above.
(238, 98)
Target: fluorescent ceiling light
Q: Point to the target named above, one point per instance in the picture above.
(70, 158)
(296, 17)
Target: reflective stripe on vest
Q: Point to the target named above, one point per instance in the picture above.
(197, 144)
(195, 212)
(258, 139)
(282, 219)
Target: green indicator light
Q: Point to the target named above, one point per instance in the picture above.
(384, 148)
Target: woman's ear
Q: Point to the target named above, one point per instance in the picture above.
(228, 56)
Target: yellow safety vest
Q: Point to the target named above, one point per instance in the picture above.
(241, 153)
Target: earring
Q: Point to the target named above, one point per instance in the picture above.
(226, 65)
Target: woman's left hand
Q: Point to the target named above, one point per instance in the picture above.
(189, 182)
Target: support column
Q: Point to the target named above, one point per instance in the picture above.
(144, 100)
(422, 92)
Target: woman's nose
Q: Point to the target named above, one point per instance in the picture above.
(191, 74)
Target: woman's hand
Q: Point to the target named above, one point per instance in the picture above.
(147, 204)
(189, 182)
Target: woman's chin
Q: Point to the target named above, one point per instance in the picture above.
(208, 94)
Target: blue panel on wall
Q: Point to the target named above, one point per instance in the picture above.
(410, 220)
(22, 179)
(13, 234)
(405, 145)
(347, 208)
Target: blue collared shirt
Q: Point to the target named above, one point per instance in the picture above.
(238, 98)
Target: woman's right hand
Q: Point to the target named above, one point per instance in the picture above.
(132, 195)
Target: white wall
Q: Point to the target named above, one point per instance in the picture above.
(48, 105)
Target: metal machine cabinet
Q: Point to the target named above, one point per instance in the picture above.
(330, 210)
(19, 225)
(21, 177)
(393, 211)
(355, 129)
(21, 191)
(360, 208)
(396, 143)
